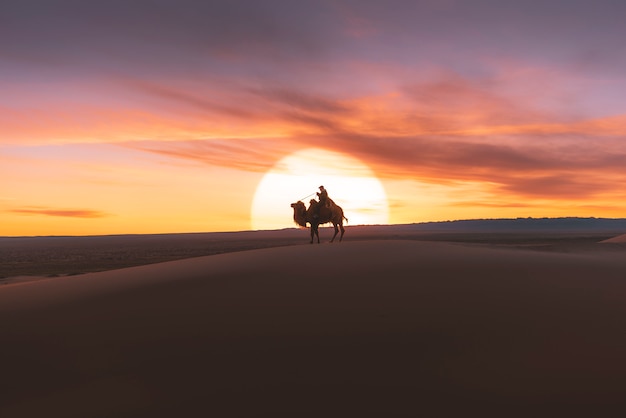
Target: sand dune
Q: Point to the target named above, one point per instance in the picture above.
(618, 239)
(371, 328)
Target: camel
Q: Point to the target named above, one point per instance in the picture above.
(332, 213)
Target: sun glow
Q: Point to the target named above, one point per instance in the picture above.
(350, 183)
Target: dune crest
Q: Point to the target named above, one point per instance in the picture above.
(616, 240)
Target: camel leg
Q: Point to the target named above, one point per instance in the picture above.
(342, 232)
(315, 232)
(336, 231)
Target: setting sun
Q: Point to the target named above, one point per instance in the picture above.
(350, 183)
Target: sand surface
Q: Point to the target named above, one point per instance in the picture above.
(364, 328)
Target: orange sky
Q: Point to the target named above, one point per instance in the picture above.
(170, 123)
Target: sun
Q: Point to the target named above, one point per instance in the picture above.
(350, 183)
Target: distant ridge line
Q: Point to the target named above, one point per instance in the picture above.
(530, 224)
(577, 224)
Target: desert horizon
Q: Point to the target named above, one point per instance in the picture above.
(52, 256)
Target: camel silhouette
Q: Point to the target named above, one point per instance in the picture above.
(332, 213)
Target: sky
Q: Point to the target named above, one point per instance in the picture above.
(164, 116)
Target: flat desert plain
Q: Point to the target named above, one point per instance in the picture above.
(387, 323)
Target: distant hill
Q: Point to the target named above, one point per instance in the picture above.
(573, 224)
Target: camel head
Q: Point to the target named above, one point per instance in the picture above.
(299, 213)
(297, 205)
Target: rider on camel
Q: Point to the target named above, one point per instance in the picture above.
(323, 201)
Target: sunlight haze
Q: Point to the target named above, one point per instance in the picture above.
(177, 120)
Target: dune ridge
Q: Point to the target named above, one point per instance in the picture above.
(617, 240)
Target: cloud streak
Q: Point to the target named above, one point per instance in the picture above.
(444, 131)
(68, 213)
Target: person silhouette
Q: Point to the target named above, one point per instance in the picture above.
(322, 196)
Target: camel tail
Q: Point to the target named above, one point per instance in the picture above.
(345, 218)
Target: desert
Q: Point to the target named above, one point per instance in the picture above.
(389, 322)
(166, 167)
